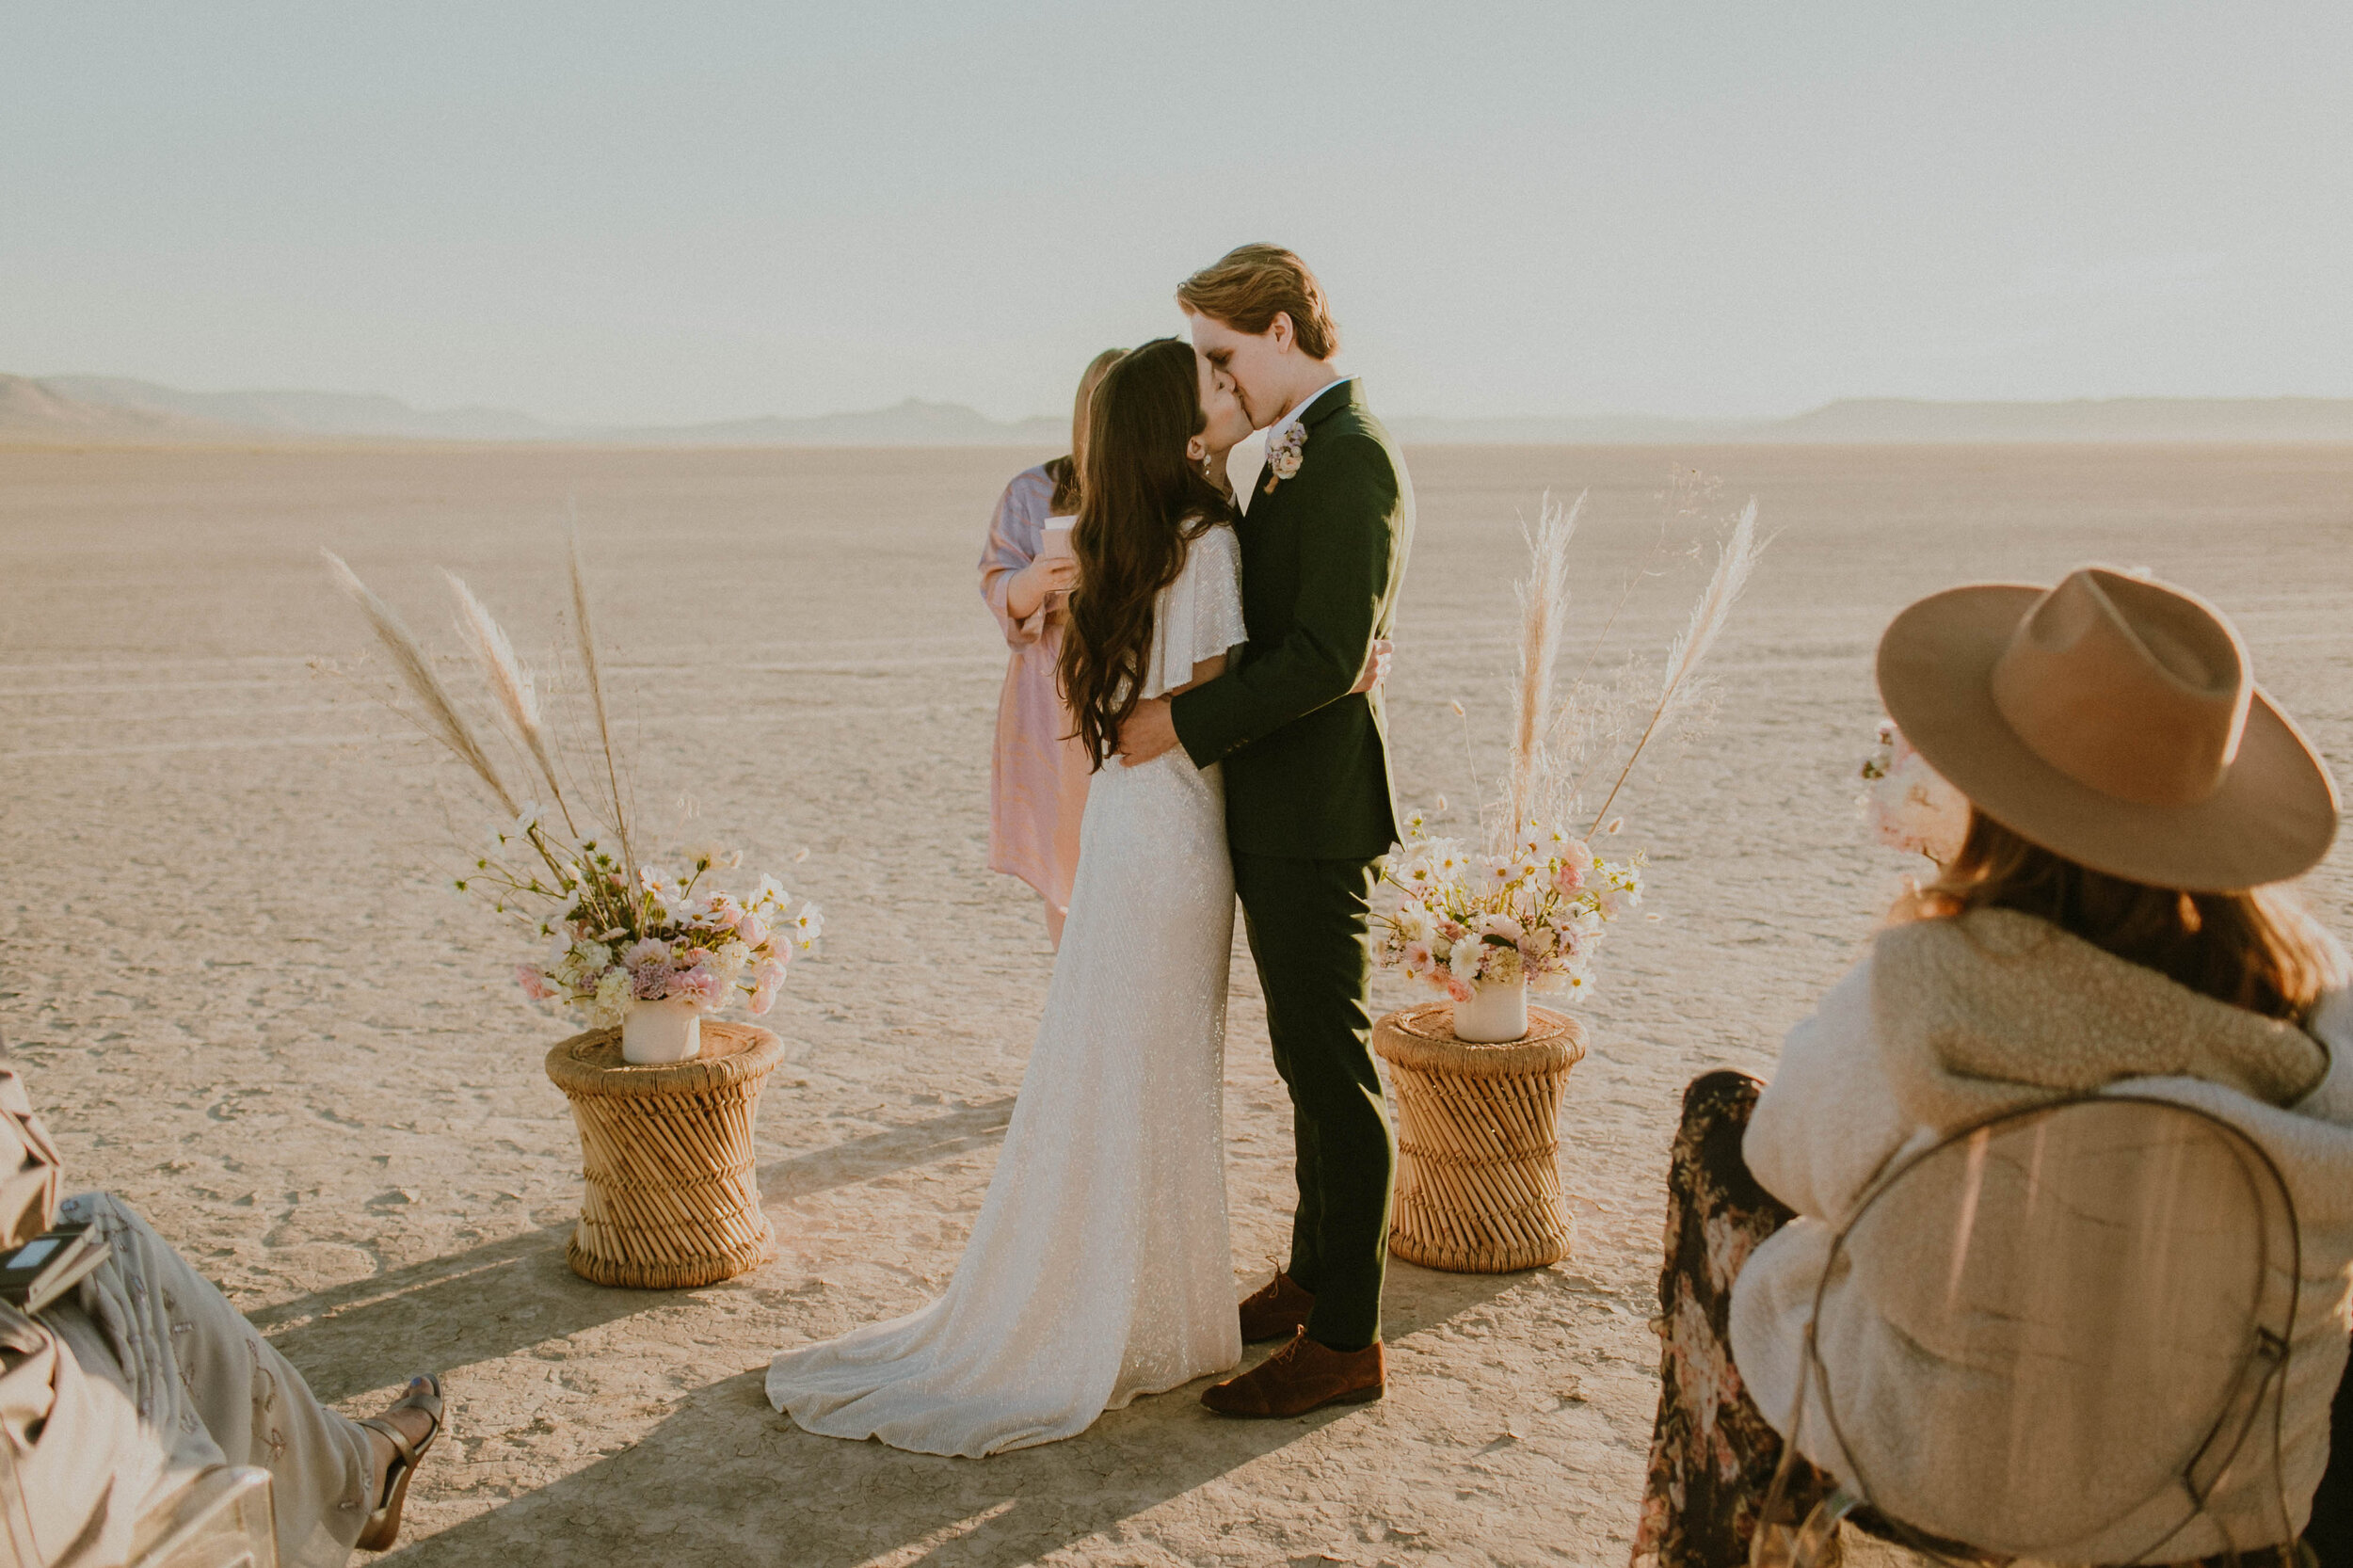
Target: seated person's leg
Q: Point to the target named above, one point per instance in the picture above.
(191, 1356)
(1712, 1452)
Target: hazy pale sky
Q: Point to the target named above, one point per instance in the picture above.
(688, 211)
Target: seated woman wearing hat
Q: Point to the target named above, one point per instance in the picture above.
(142, 1377)
(2115, 913)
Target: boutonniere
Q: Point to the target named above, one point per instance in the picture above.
(1282, 454)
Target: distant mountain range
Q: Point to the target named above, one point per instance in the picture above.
(113, 410)
(1903, 421)
(75, 407)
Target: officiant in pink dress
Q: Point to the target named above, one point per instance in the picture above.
(1038, 782)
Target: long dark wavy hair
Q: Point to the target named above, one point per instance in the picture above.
(1142, 502)
(2257, 950)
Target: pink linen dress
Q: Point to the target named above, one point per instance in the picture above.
(1038, 783)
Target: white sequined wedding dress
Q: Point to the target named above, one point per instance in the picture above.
(1099, 1268)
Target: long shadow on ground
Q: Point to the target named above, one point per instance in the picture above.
(725, 1480)
(496, 1299)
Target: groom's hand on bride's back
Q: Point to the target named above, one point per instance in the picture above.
(1376, 666)
(1149, 732)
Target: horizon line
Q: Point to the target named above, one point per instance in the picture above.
(591, 431)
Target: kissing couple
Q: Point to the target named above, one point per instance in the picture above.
(1221, 666)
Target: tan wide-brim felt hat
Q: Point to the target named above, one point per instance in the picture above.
(2114, 720)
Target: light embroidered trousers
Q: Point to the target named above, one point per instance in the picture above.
(207, 1386)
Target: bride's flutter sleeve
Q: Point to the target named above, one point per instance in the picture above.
(1199, 616)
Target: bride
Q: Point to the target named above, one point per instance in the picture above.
(1099, 1267)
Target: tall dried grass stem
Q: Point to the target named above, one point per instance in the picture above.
(438, 715)
(1543, 596)
(510, 683)
(1734, 559)
(584, 624)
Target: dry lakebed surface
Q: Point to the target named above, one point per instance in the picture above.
(244, 998)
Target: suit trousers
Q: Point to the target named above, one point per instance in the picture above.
(1307, 921)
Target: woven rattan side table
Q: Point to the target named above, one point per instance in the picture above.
(1479, 1141)
(667, 1151)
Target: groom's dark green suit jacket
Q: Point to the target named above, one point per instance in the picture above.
(1322, 556)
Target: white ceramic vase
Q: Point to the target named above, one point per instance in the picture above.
(1495, 1014)
(658, 1032)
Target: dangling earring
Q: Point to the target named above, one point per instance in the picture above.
(1208, 467)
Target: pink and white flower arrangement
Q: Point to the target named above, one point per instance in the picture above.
(1532, 905)
(1908, 804)
(1533, 913)
(669, 939)
(618, 930)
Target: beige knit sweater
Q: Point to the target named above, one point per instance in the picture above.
(1949, 1021)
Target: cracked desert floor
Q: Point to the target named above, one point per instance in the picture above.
(245, 1000)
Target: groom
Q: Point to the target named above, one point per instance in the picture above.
(1309, 805)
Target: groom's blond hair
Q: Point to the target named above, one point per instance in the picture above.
(1251, 284)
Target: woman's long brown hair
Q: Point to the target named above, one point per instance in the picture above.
(1142, 502)
(2257, 948)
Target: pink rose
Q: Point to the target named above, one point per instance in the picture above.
(1456, 989)
(535, 984)
(1568, 879)
(699, 986)
(767, 979)
(751, 930)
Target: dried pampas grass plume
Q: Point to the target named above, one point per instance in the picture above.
(1544, 596)
(1734, 559)
(592, 669)
(510, 683)
(439, 715)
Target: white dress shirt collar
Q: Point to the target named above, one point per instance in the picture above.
(1275, 430)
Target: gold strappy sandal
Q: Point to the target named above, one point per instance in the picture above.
(383, 1526)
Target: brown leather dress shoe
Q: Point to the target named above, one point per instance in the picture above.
(1276, 1310)
(1303, 1376)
